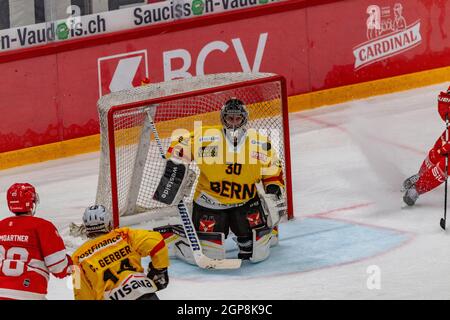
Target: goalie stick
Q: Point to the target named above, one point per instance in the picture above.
(200, 259)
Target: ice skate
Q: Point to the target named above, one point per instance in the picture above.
(411, 181)
(411, 196)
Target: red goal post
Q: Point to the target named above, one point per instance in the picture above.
(130, 164)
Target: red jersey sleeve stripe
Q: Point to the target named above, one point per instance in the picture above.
(55, 257)
(157, 248)
(60, 267)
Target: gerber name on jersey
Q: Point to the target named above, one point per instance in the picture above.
(115, 256)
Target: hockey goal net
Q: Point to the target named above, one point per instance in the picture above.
(130, 162)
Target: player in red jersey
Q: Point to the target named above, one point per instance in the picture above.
(30, 248)
(432, 171)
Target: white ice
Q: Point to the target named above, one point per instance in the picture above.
(348, 163)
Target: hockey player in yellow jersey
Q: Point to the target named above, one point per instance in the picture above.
(108, 266)
(233, 161)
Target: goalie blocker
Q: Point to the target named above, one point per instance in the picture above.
(176, 182)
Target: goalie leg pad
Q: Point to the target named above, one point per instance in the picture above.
(243, 220)
(274, 240)
(171, 234)
(262, 239)
(212, 243)
(176, 182)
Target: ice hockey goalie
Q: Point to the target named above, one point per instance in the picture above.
(233, 159)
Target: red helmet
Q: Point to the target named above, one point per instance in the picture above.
(22, 198)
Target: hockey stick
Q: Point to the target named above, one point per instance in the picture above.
(444, 219)
(200, 259)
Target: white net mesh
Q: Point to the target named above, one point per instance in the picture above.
(138, 163)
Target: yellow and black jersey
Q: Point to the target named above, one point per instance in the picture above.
(103, 263)
(228, 171)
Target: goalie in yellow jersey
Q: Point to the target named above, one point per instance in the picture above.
(240, 186)
(108, 266)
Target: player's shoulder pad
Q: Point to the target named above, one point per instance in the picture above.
(127, 232)
(124, 232)
(183, 139)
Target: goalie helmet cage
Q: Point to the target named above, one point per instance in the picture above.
(130, 163)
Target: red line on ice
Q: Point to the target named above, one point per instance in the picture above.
(324, 213)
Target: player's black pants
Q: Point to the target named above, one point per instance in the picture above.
(241, 220)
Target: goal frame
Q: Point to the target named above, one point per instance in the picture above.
(152, 101)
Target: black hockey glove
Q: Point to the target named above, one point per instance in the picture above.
(159, 276)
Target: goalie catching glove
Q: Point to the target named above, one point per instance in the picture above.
(176, 182)
(159, 276)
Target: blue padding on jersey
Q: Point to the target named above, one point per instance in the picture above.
(305, 245)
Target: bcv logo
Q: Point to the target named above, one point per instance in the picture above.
(122, 71)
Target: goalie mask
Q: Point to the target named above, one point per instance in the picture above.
(97, 219)
(234, 117)
(234, 114)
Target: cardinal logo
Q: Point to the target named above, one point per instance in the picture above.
(387, 33)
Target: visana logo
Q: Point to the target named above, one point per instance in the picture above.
(387, 34)
(135, 289)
